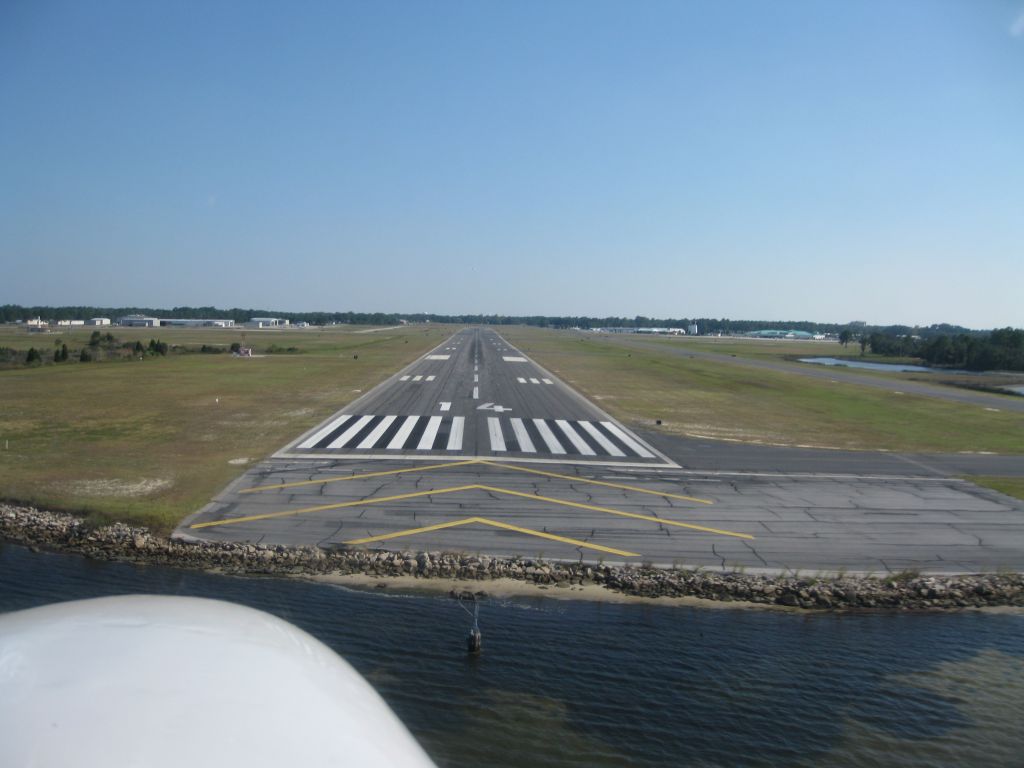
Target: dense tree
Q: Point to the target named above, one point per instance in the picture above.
(32, 356)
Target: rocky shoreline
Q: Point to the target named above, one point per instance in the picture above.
(41, 529)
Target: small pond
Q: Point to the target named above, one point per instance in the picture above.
(891, 367)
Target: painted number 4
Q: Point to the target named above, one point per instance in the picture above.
(493, 407)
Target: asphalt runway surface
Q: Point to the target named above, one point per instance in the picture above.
(476, 448)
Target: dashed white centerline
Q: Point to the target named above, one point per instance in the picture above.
(455, 438)
(417, 378)
(476, 378)
(379, 430)
(547, 381)
(494, 429)
(476, 393)
(534, 381)
(405, 378)
(520, 379)
(431, 378)
(427, 441)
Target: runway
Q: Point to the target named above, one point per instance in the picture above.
(474, 396)
(474, 447)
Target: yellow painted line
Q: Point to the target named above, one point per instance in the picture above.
(495, 524)
(298, 483)
(456, 489)
(339, 505)
(577, 479)
(653, 519)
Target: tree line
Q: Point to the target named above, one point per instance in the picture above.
(1000, 350)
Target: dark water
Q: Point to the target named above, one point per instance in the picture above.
(892, 367)
(590, 684)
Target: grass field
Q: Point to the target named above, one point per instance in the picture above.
(1011, 486)
(151, 441)
(724, 401)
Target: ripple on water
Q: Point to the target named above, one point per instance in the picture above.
(591, 684)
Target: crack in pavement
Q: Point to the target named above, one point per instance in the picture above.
(758, 556)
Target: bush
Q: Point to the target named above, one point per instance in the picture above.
(33, 357)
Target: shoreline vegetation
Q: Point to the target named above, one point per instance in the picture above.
(464, 574)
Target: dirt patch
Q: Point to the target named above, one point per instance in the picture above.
(113, 487)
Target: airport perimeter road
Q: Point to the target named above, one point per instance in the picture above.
(475, 448)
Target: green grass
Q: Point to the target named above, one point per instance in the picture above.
(1011, 486)
(147, 441)
(725, 401)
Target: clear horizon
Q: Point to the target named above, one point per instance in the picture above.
(733, 159)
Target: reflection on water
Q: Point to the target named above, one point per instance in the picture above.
(583, 684)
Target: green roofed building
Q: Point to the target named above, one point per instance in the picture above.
(773, 334)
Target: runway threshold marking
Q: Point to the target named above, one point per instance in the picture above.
(573, 478)
(495, 524)
(473, 487)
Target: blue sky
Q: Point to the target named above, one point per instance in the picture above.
(811, 160)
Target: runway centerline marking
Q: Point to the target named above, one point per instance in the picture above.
(495, 524)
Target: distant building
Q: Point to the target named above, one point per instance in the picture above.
(774, 334)
(36, 323)
(98, 321)
(139, 321)
(692, 329)
(195, 322)
(71, 322)
(267, 322)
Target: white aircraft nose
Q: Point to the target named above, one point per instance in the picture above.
(172, 681)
